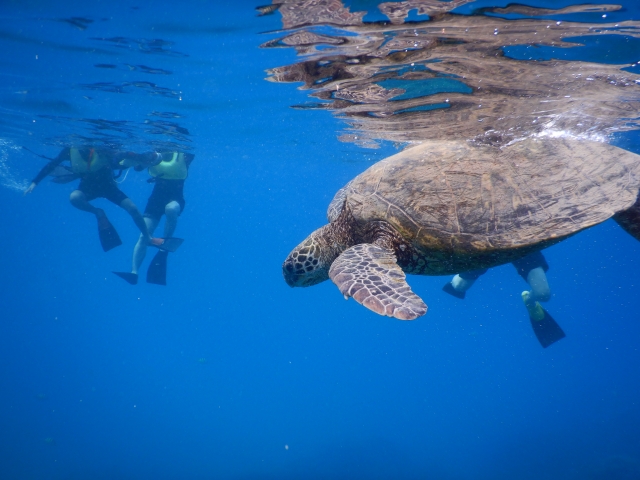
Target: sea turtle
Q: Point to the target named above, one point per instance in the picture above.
(445, 207)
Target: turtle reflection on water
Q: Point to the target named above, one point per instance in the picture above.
(446, 207)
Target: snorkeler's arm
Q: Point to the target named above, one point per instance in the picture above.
(139, 161)
(48, 168)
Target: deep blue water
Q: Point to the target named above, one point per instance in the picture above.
(227, 372)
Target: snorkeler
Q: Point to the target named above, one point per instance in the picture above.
(532, 268)
(95, 169)
(168, 175)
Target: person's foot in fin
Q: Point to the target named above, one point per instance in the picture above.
(130, 278)
(459, 285)
(157, 272)
(109, 237)
(536, 312)
(450, 289)
(544, 326)
(169, 244)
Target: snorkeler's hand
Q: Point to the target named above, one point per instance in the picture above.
(30, 188)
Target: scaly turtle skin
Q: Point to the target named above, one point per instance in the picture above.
(448, 207)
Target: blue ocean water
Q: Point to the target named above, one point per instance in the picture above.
(227, 372)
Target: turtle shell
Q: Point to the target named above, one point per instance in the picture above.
(491, 204)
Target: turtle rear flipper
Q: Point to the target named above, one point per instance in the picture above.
(371, 275)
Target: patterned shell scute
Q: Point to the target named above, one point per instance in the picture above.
(458, 196)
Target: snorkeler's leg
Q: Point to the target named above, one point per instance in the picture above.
(79, 200)
(172, 212)
(532, 268)
(137, 217)
(545, 328)
(140, 250)
(108, 235)
(537, 280)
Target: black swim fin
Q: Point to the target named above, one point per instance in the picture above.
(109, 237)
(157, 272)
(130, 278)
(544, 326)
(547, 330)
(452, 291)
(169, 244)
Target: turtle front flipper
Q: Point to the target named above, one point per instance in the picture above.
(371, 275)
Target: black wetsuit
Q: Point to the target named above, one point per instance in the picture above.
(164, 192)
(98, 184)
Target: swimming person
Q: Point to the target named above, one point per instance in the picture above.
(95, 169)
(532, 268)
(167, 198)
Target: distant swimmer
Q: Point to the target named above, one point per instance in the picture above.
(168, 175)
(532, 269)
(95, 169)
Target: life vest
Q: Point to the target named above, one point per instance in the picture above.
(92, 163)
(174, 169)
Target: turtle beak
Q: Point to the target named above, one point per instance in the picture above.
(289, 273)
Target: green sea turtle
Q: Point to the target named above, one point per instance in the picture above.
(446, 207)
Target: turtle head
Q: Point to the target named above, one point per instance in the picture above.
(308, 264)
(305, 265)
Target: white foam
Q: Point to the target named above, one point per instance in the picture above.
(8, 178)
(555, 133)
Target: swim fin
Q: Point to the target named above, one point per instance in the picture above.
(448, 288)
(130, 278)
(157, 271)
(109, 237)
(544, 326)
(169, 244)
